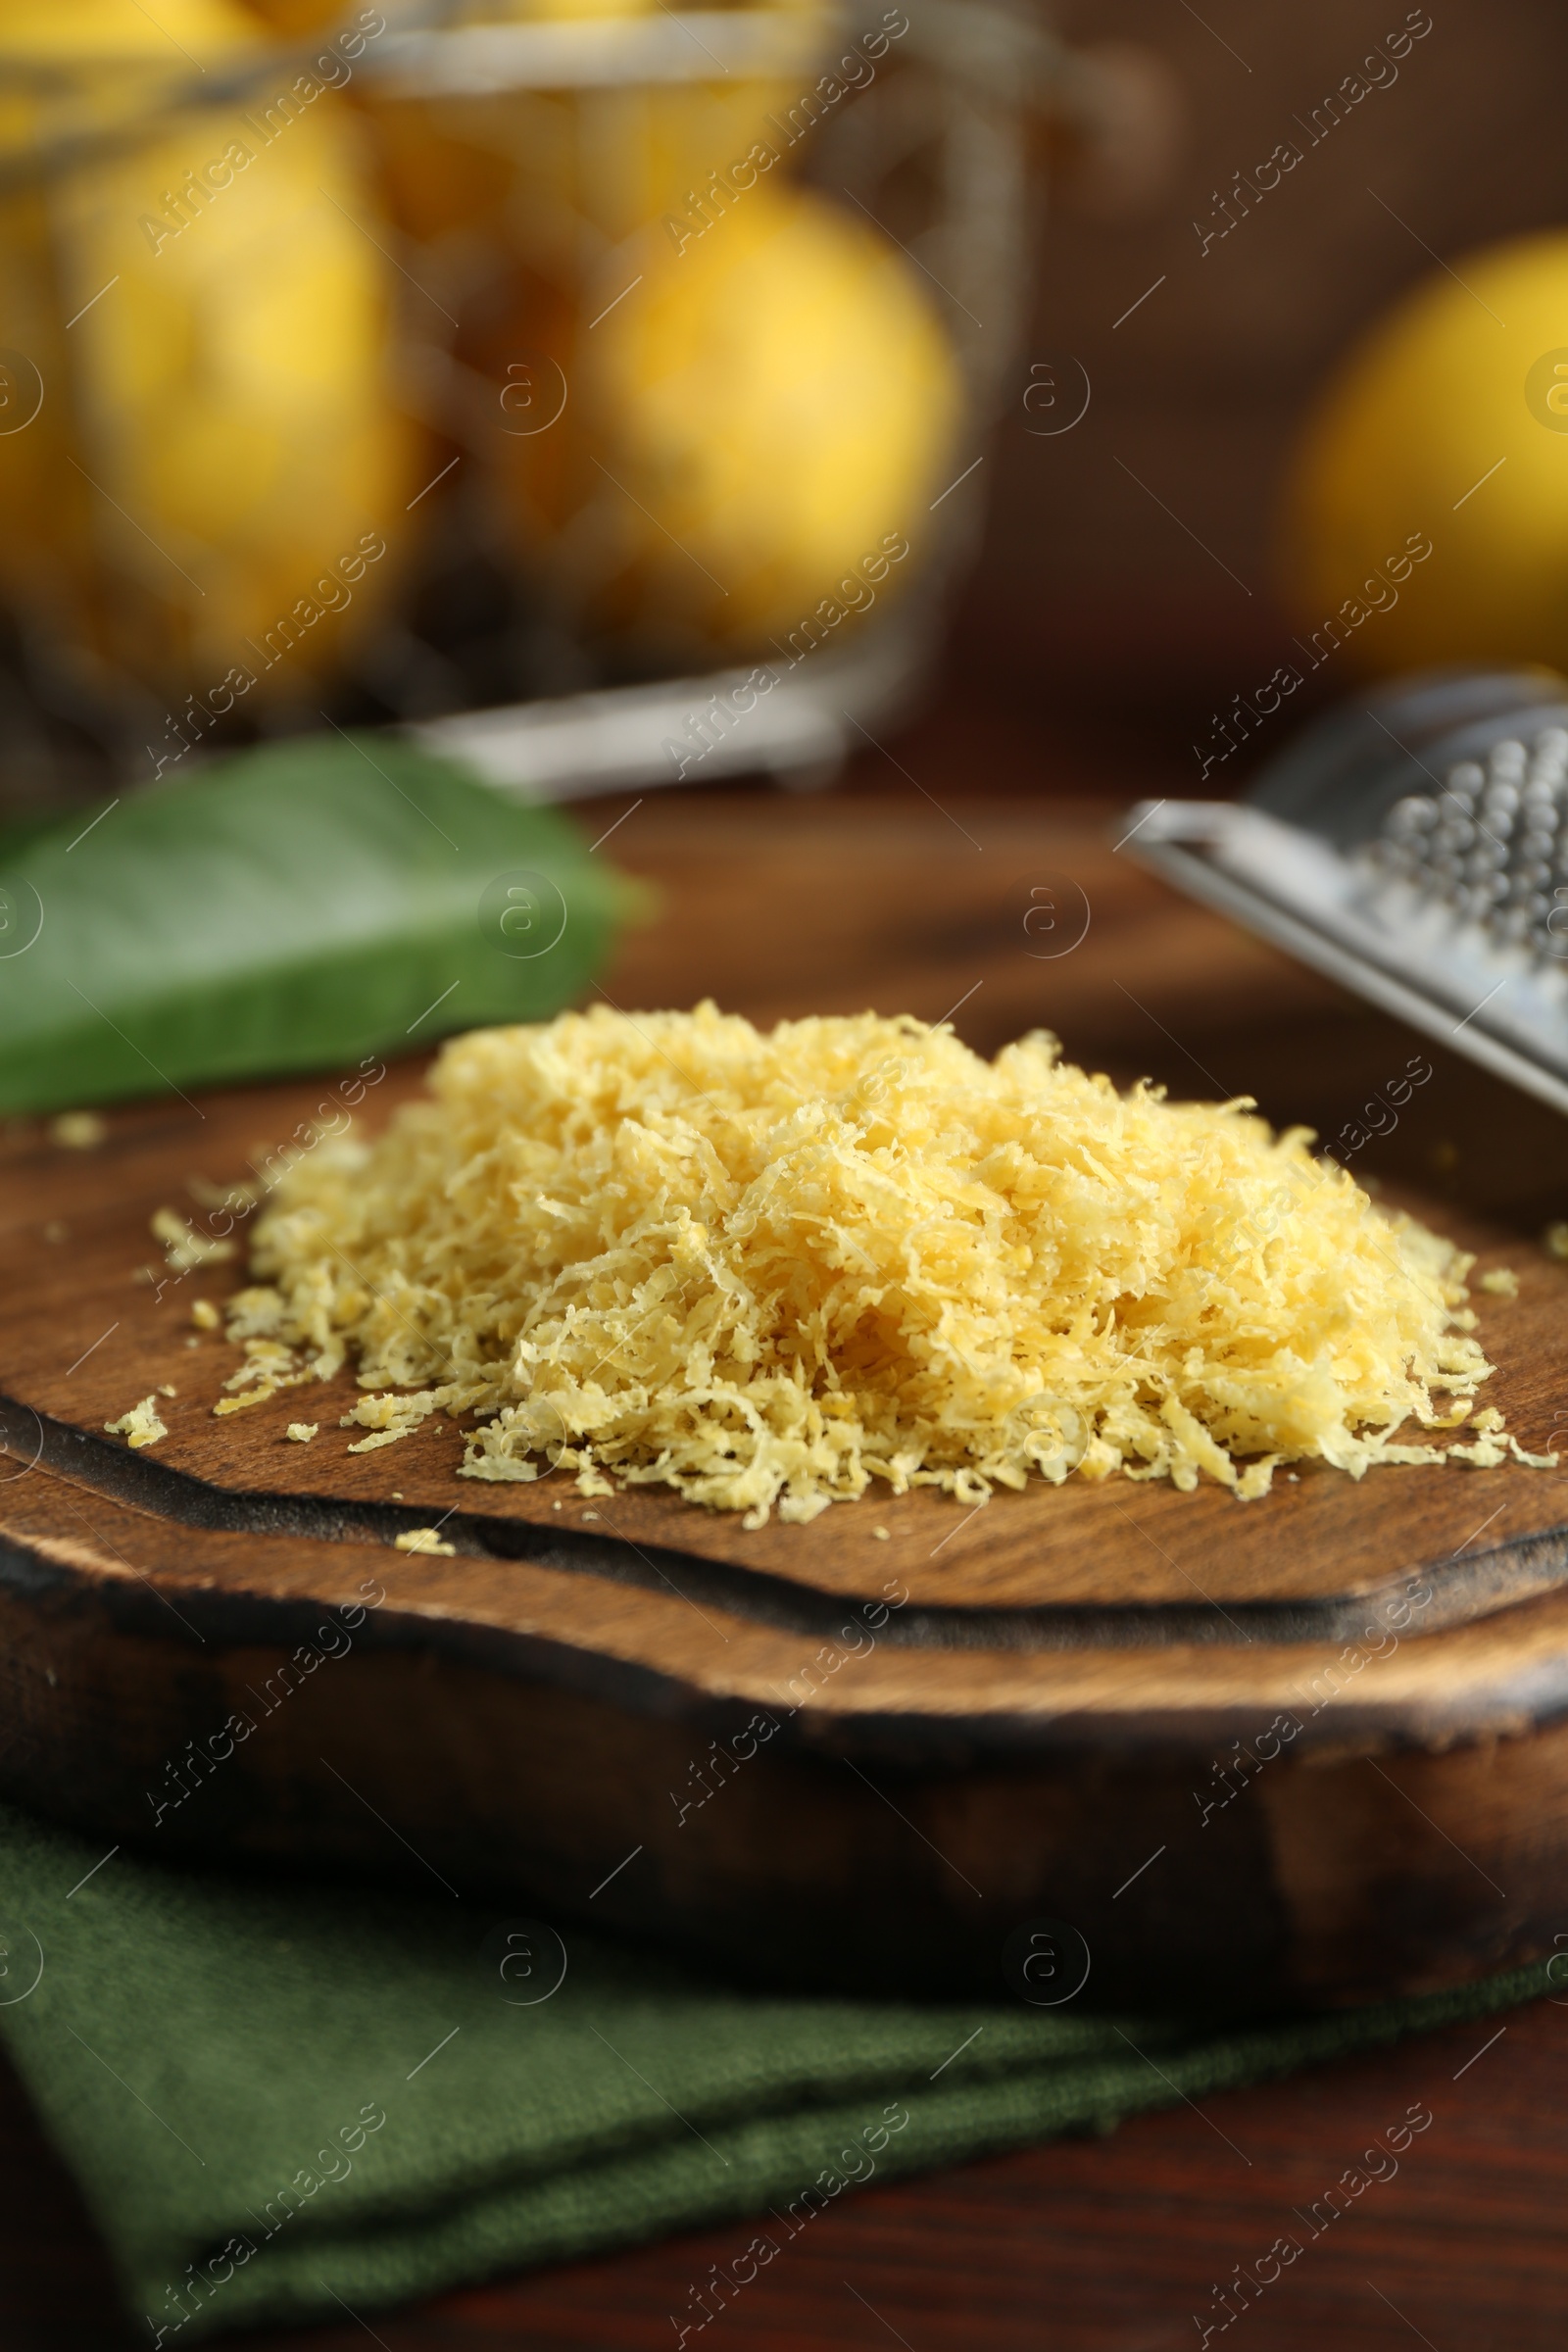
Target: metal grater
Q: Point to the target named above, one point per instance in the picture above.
(1415, 848)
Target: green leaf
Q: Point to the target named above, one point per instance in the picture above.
(290, 907)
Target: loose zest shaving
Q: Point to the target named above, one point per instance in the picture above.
(143, 1425)
(425, 1539)
(766, 1270)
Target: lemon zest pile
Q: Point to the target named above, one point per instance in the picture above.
(766, 1270)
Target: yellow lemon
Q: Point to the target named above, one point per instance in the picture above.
(1447, 423)
(209, 499)
(765, 408)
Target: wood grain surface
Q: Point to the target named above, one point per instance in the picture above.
(1334, 1712)
(798, 905)
(92, 1318)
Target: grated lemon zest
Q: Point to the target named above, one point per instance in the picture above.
(184, 1249)
(142, 1426)
(767, 1270)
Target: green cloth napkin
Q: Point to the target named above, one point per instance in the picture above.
(278, 2095)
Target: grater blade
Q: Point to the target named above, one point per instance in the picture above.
(1414, 848)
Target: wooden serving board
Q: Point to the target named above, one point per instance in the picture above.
(1313, 1746)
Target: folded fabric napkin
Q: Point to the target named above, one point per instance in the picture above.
(277, 2093)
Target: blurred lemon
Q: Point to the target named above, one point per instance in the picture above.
(1448, 423)
(211, 486)
(760, 411)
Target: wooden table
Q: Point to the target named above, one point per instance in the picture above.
(887, 897)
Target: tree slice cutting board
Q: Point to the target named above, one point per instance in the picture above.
(1312, 1746)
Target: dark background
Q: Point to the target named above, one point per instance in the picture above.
(1096, 637)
